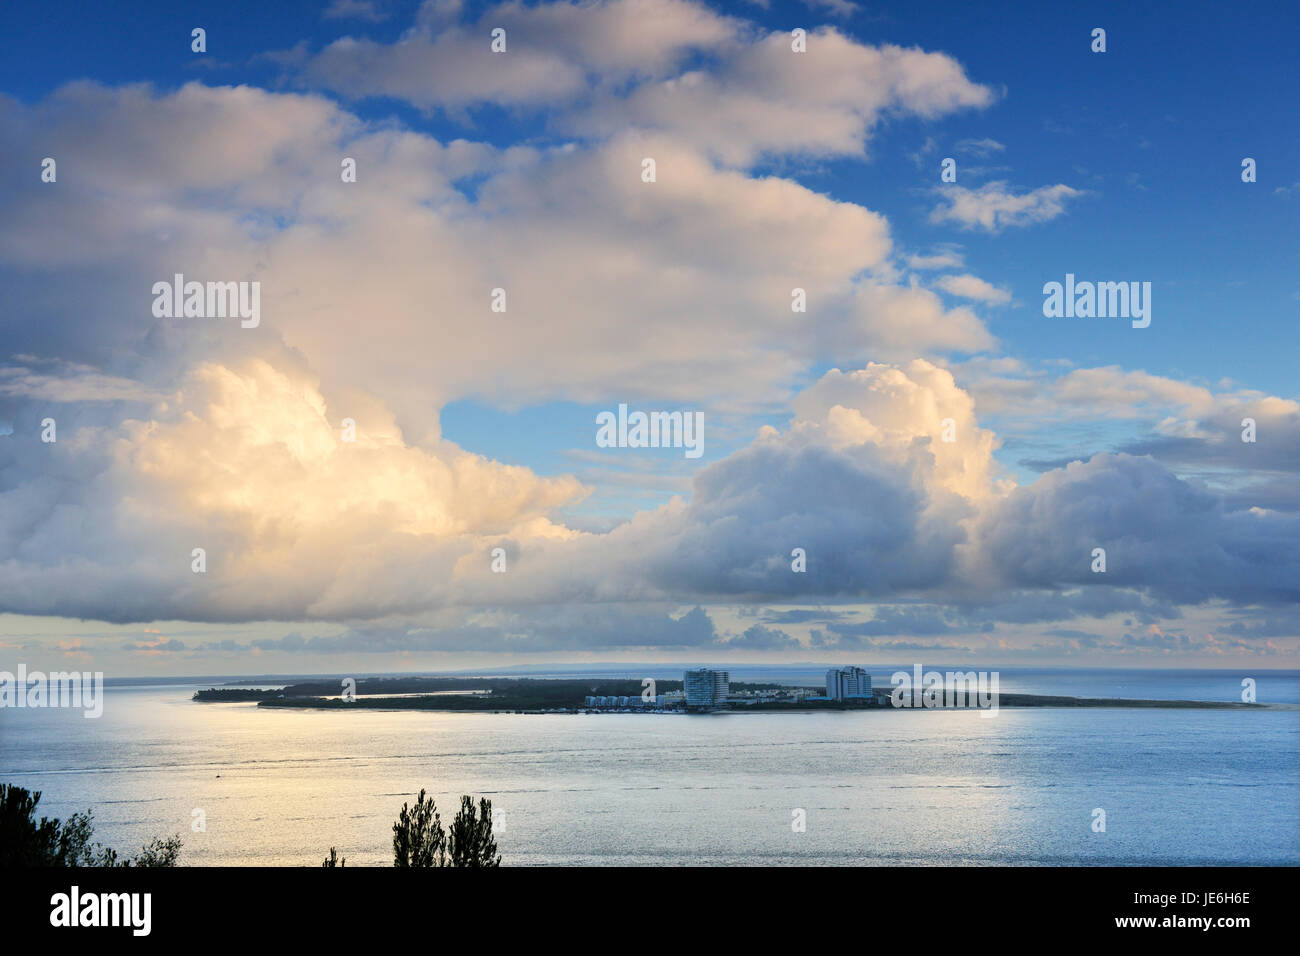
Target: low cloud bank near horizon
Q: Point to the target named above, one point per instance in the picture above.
(298, 525)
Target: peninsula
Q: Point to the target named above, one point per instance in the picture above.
(553, 695)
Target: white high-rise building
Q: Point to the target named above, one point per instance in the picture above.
(706, 688)
(847, 683)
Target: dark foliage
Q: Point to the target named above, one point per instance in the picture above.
(28, 842)
(419, 839)
(470, 842)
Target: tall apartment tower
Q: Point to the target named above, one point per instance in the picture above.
(706, 688)
(848, 683)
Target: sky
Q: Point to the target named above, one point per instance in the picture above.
(918, 466)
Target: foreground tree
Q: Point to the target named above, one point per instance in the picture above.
(419, 839)
(28, 842)
(470, 842)
(157, 852)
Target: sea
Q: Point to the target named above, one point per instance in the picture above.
(250, 786)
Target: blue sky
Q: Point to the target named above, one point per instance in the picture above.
(1145, 142)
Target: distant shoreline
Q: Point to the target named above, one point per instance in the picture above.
(489, 695)
(1013, 701)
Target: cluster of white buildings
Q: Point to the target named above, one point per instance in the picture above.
(708, 689)
(635, 700)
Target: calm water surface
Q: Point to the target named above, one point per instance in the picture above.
(279, 787)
